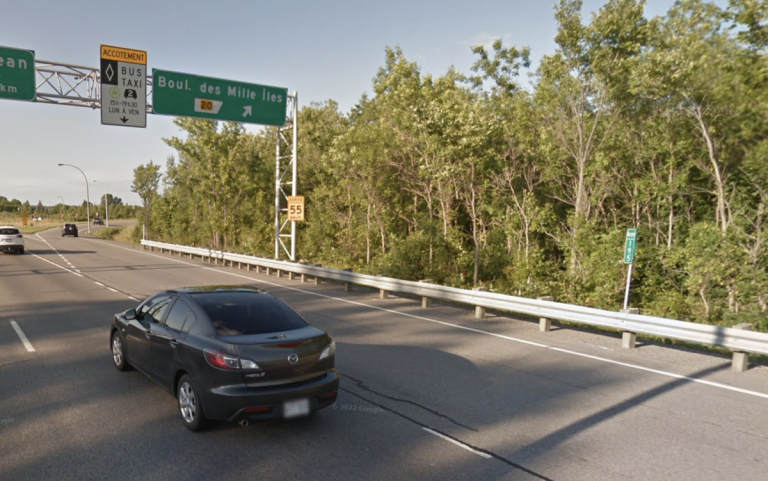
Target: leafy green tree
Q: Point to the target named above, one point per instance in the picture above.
(146, 181)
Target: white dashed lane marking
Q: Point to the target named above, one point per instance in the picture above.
(23, 338)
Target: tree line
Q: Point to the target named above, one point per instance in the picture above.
(478, 178)
(117, 209)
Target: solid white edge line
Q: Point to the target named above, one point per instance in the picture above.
(457, 443)
(479, 331)
(664, 373)
(23, 338)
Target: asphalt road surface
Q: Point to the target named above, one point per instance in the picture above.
(425, 394)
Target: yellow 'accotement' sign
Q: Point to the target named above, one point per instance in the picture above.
(123, 54)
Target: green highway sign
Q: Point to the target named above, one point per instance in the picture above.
(630, 247)
(187, 95)
(17, 74)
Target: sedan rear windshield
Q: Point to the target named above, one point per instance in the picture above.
(241, 314)
(9, 231)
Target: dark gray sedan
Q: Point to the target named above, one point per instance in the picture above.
(228, 353)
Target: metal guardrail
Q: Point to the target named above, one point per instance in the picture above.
(737, 340)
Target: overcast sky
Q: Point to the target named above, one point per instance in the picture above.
(320, 49)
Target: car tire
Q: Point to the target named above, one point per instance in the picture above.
(118, 353)
(75, 235)
(190, 409)
(21, 251)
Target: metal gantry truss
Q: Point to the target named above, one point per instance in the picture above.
(67, 84)
(79, 86)
(282, 184)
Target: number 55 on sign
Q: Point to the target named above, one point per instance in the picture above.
(296, 207)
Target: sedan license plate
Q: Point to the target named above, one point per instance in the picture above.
(298, 407)
(7, 240)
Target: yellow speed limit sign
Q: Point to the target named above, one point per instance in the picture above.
(296, 207)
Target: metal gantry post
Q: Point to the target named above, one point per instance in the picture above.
(294, 183)
(277, 194)
(280, 179)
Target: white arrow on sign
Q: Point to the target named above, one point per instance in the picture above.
(248, 110)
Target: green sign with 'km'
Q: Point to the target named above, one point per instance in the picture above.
(17, 74)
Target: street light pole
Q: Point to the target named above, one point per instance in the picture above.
(63, 206)
(87, 197)
(106, 202)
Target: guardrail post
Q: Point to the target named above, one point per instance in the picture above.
(480, 310)
(629, 339)
(383, 294)
(290, 275)
(318, 280)
(545, 324)
(269, 271)
(426, 302)
(258, 269)
(303, 275)
(151, 248)
(347, 285)
(740, 361)
(279, 273)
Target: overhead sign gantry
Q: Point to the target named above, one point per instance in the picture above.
(123, 74)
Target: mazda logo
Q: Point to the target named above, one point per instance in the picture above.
(293, 358)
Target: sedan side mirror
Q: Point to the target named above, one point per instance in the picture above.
(130, 315)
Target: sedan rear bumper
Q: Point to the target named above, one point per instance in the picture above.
(235, 403)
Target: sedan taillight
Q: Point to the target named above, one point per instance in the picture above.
(329, 351)
(228, 362)
(221, 361)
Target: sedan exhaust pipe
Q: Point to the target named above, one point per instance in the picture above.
(244, 423)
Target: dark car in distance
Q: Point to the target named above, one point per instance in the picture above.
(69, 229)
(228, 353)
(98, 221)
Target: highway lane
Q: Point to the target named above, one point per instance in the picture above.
(525, 406)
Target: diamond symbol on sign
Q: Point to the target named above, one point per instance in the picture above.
(110, 72)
